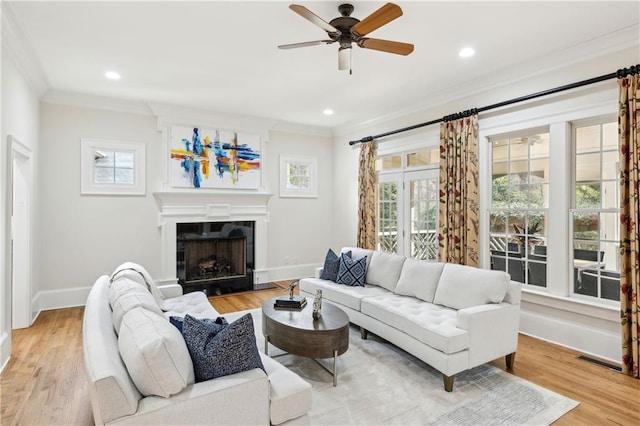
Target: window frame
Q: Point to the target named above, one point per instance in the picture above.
(523, 249)
(311, 191)
(88, 185)
(402, 176)
(575, 125)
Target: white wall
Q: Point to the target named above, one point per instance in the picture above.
(299, 228)
(84, 236)
(93, 234)
(571, 323)
(20, 115)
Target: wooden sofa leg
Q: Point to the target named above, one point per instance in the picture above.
(509, 360)
(364, 333)
(448, 382)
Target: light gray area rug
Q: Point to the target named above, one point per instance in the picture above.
(381, 384)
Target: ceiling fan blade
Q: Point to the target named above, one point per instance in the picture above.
(386, 46)
(315, 19)
(380, 17)
(304, 44)
(344, 58)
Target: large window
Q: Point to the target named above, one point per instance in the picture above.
(553, 214)
(594, 221)
(520, 199)
(408, 204)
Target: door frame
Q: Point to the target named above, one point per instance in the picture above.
(20, 171)
(403, 179)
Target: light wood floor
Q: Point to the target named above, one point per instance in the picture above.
(44, 382)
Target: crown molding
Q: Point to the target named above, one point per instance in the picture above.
(63, 97)
(548, 65)
(18, 47)
(303, 129)
(173, 114)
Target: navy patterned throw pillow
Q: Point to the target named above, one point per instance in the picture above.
(331, 266)
(229, 350)
(178, 321)
(352, 272)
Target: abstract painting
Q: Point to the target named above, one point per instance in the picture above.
(210, 158)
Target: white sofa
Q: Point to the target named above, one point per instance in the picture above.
(452, 317)
(158, 388)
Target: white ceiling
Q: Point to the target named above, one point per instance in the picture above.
(222, 56)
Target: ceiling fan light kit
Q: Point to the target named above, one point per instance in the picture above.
(347, 30)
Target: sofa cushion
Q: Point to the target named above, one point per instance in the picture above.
(195, 304)
(138, 273)
(121, 286)
(351, 272)
(358, 253)
(331, 265)
(155, 353)
(463, 286)
(384, 269)
(136, 297)
(419, 279)
(218, 352)
(431, 324)
(290, 395)
(344, 295)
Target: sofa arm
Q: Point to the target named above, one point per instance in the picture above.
(493, 331)
(238, 399)
(318, 272)
(171, 290)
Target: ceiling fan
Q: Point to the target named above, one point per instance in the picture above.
(347, 30)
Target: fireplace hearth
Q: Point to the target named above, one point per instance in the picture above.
(216, 257)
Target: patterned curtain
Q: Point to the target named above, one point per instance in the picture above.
(367, 197)
(629, 140)
(458, 212)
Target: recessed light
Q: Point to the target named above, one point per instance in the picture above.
(466, 52)
(328, 111)
(112, 75)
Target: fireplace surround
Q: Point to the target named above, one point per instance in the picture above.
(187, 208)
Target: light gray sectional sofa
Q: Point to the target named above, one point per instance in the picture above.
(452, 317)
(140, 371)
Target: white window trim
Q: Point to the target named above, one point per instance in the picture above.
(88, 186)
(312, 190)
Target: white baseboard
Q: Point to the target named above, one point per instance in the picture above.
(585, 338)
(71, 297)
(57, 299)
(290, 272)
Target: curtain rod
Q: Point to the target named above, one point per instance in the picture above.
(621, 73)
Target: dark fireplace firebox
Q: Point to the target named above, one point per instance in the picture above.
(216, 257)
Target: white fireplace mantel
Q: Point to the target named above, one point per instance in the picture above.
(208, 206)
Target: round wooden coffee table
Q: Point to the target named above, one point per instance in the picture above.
(296, 332)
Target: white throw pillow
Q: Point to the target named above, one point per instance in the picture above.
(155, 353)
(463, 286)
(419, 279)
(384, 269)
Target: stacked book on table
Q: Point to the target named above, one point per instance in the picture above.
(286, 302)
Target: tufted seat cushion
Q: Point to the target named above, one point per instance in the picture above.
(195, 304)
(345, 295)
(431, 324)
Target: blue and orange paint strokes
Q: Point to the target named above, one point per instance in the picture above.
(229, 160)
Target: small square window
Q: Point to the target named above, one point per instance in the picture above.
(112, 167)
(298, 177)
